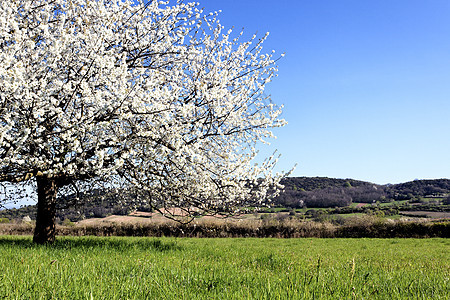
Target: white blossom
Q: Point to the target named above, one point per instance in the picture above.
(158, 95)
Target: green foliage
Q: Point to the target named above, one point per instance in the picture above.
(314, 183)
(333, 192)
(67, 222)
(168, 268)
(446, 200)
(422, 187)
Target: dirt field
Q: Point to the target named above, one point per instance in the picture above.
(139, 217)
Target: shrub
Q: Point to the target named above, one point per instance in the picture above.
(67, 222)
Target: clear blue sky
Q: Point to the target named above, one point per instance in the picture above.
(365, 84)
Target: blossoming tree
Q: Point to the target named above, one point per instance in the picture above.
(149, 95)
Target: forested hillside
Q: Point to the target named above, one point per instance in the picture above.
(314, 183)
(332, 192)
(299, 192)
(422, 188)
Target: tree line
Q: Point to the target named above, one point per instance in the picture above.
(299, 192)
(332, 192)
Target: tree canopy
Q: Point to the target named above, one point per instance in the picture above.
(146, 94)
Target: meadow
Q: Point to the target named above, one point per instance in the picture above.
(250, 268)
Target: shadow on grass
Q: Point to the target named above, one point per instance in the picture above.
(84, 243)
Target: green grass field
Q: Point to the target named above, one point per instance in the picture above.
(169, 268)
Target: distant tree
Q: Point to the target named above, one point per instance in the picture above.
(132, 93)
(329, 197)
(367, 193)
(446, 200)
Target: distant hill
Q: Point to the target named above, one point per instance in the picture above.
(428, 187)
(416, 188)
(333, 192)
(314, 183)
(298, 192)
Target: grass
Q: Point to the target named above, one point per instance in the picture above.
(349, 215)
(394, 203)
(169, 268)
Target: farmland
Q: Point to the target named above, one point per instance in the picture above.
(186, 268)
(319, 199)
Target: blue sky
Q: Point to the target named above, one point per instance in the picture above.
(365, 84)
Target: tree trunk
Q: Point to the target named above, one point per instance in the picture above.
(45, 230)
